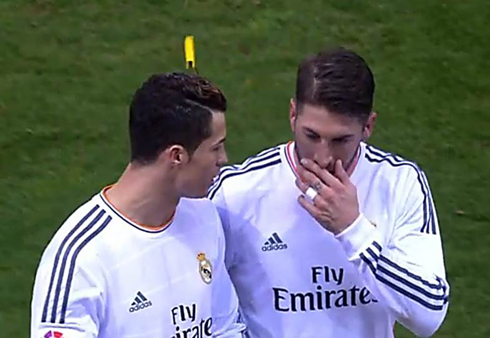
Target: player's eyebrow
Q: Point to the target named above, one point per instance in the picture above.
(220, 141)
(346, 136)
(309, 130)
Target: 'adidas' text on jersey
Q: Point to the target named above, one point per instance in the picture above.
(140, 302)
(274, 243)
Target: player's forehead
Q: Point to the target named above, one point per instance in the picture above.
(218, 131)
(327, 123)
(218, 125)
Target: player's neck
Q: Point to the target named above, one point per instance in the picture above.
(144, 196)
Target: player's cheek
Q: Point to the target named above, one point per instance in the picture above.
(307, 151)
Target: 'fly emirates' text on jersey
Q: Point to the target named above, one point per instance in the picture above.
(296, 279)
(103, 275)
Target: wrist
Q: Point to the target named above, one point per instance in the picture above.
(357, 236)
(348, 224)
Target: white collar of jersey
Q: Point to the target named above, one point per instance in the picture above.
(290, 158)
(126, 219)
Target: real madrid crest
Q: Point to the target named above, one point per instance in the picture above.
(205, 268)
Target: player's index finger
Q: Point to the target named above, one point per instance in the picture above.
(310, 178)
(323, 174)
(306, 175)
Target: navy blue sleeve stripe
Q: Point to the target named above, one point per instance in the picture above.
(371, 252)
(368, 263)
(432, 212)
(236, 173)
(409, 284)
(57, 257)
(262, 154)
(424, 192)
(430, 224)
(243, 167)
(405, 281)
(391, 159)
(385, 260)
(410, 274)
(428, 206)
(72, 267)
(411, 296)
(396, 161)
(403, 270)
(64, 262)
(434, 226)
(125, 220)
(401, 290)
(440, 295)
(248, 163)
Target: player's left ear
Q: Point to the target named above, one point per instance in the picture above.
(369, 126)
(177, 155)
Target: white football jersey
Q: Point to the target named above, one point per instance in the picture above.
(103, 275)
(296, 279)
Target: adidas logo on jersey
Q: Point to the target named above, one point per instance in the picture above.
(140, 302)
(274, 243)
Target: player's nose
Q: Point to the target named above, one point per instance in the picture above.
(223, 158)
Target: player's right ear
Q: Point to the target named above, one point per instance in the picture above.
(292, 113)
(369, 126)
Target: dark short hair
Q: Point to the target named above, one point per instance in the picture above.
(172, 108)
(336, 79)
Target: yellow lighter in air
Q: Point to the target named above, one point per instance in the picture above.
(190, 52)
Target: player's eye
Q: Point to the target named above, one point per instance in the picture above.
(342, 140)
(217, 147)
(313, 136)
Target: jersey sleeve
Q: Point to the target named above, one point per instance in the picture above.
(407, 274)
(67, 300)
(226, 322)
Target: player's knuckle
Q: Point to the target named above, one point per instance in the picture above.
(327, 196)
(321, 203)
